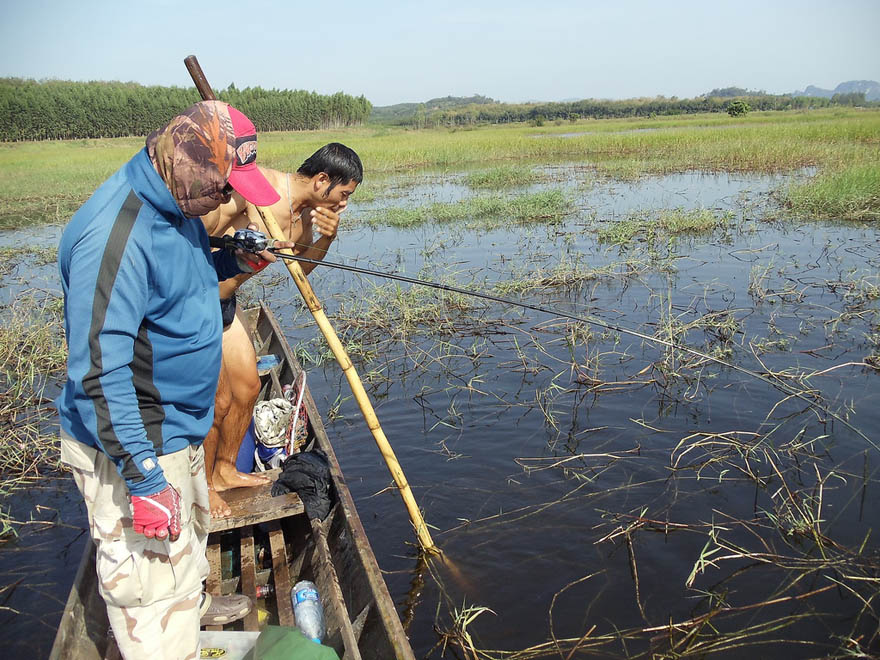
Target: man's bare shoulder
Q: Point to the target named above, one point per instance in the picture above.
(233, 214)
(281, 209)
(226, 216)
(276, 178)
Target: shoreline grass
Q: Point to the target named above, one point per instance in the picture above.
(851, 193)
(42, 182)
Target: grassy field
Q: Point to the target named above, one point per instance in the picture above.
(44, 182)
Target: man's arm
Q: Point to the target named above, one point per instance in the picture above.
(326, 220)
(225, 220)
(106, 305)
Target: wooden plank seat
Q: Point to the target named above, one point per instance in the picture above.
(255, 505)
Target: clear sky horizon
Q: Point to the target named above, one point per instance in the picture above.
(394, 52)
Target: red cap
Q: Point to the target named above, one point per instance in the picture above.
(245, 177)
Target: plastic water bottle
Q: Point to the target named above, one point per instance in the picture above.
(307, 610)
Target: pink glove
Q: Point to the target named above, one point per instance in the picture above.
(157, 515)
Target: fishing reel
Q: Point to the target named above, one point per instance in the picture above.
(248, 240)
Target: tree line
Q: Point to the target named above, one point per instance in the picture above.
(502, 113)
(60, 109)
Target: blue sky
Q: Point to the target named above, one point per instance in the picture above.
(394, 52)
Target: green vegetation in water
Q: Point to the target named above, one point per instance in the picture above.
(672, 222)
(508, 176)
(46, 182)
(368, 192)
(851, 193)
(32, 355)
(392, 312)
(34, 255)
(486, 212)
(873, 357)
(567, 272)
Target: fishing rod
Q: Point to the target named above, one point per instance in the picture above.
(254, 241)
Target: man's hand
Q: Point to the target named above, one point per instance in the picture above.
(326, 220)
(157, 515)
(250, 262)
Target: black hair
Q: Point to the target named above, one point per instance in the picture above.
(337, 161)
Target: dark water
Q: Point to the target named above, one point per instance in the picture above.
(567, 472)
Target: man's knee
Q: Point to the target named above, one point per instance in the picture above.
(248, 387)
(240, 364)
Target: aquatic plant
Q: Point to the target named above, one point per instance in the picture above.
(507, 176)
(848, 193)
(654, 225)
(484, 212)
(32, 359)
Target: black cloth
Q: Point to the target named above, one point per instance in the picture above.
(227, 309)
(308, 475)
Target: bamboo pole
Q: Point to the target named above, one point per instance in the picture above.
(339, 352)
(354, 381)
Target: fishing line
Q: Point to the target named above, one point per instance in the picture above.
(782, 387)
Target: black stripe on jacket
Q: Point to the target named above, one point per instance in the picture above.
(148, 396)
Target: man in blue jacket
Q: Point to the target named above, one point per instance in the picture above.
(143, 328)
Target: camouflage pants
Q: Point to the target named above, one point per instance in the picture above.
(152, 588)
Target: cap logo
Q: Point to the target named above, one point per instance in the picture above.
(245, 150)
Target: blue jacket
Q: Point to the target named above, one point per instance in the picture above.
(142, 319)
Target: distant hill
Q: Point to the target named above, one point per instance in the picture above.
(406, 110)
(870, 88)
(730, 92)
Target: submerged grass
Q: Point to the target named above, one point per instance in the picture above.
(393, 312)
(508, 176)
(785, 543)
(669, 222)
(566, 273)
(486, 211)
(32, 358)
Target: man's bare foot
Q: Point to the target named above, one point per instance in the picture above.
(219, 508)
(228, 479)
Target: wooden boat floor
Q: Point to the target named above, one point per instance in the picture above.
(254, 505)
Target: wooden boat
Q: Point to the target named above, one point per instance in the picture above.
(271, 541)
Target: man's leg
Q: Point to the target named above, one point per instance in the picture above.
(243, 382)
(152, 588)
(222, 401)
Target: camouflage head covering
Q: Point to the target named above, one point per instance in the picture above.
(194, 154)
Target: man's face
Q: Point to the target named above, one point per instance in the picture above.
(337, 197)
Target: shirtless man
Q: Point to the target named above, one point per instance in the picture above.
(311, 201)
